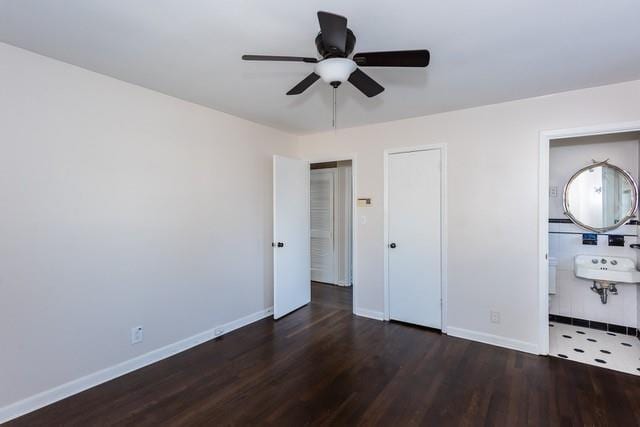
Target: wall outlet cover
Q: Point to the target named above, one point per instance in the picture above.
(137, 334)
(495, 316)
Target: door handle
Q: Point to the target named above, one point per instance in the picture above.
(279, 245)
(392, 245)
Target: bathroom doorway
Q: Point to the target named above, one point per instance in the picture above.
(331, 233)
(589, 302)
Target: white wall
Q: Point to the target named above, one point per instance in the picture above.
(121, 207)
(492, 200)
(574, 297)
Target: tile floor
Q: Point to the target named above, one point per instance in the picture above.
(599, 348)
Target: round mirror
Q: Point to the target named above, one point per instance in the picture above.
(600, 197)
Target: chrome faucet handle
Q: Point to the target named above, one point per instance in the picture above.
(603, 261)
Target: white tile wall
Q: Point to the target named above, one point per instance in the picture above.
(573, 297)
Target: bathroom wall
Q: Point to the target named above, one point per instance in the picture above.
(574, 297)
(568, 155)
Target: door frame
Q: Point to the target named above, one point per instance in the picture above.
(543, 213)
(354, 222)
(443, 224)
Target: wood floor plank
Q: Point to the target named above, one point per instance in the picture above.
(321, 365)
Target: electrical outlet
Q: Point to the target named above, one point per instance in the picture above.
(218, 331)
(137, 335)
(495, 316)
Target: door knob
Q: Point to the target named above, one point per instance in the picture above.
(392, 245)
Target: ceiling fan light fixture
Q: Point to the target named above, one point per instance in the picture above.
(335, 69)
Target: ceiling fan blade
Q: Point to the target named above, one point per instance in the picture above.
(365, 84)
(334, 31)
(397, 58)
(304, 84)
(278, 58)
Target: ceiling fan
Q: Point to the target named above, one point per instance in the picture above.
(335, 43)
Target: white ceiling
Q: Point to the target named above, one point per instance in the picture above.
(482, 52)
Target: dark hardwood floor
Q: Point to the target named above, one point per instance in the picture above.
(323, 366)
(332, 296)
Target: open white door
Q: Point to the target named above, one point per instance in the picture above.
(291, 261)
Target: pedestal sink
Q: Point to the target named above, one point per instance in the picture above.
(606, 271)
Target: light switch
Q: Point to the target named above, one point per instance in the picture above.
(363, 219)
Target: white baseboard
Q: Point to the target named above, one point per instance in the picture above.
(344, 284)
(496, 340)
(371, 314)
(63, 391)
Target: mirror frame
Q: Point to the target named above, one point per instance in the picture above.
(630, 214)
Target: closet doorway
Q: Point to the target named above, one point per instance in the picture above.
(331, 233)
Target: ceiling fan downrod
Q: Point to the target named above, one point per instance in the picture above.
(335, 88)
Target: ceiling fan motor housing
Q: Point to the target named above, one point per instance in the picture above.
(329, 52)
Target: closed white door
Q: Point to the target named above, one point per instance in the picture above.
(322, 225)
(414, 234)
(291, 278)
